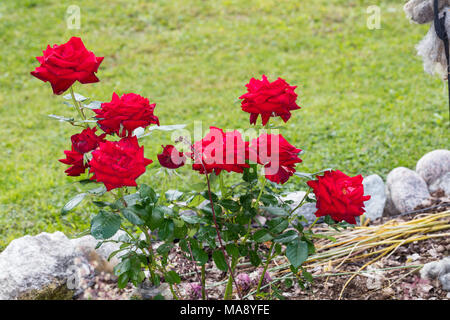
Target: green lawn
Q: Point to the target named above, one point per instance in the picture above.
(367, 105)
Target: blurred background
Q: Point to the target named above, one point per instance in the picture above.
(367, 105)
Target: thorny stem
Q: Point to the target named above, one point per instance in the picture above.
(204, 296)
(315, 221)
(220, 238)
(260, 193)
(269, 258)
(301, 202)
(200, 280)
(216, 226)
(77, 106)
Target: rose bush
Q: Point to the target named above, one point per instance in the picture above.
(220, 222)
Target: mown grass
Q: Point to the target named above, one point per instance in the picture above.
(367, 105)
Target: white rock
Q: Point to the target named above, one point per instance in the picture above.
(405, 190)
(37, 266)
(374, 186)
(442, 184)
(438, 270)
(433, 165)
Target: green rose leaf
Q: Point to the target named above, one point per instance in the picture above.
(132, 214)
(105, 224)
(278, 225)
(286, 237)
(73, 203)
(297, 252)
(262, 235)
(277, 211)
(172, 277)
(219, 260)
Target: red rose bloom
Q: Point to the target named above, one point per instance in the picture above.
(64, 64)
(340, 196)
(76, 161)
(87, 140)
(123, 115)
(277, 155)
(171, 158)
(219, 151)
(269, 99)
(118, 163)
(82, 143)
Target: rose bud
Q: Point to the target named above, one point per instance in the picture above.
(339, 196)
(269, 99)
(171, 158)
(62, 65)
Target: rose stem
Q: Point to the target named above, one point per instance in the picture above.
(269, 258)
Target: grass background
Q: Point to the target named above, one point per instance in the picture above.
(367, 105)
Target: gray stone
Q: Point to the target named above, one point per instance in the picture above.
(433, 165)
(307, 209)
(406, 190)
(87, 244)
(442, 184)
(37, 267)
(374, 186)
(147, 291)
(438, 270)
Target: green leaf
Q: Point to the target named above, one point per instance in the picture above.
(105, 224)
(132, 215)
(154, 217)
(191, 219)
(232, 250)
(166, 229)
(262, 235)
(61, 118)
(200, 255)
(255, 260)
(122, 281)
(230, 204)
(78, 97)
(297, 252)
(214, 197)
(277, 211)
(196, 200)
(219, 260)
(278, 225)
(73, 203)
(286, 237)
(269, 200)
(173, 195)
(250, 174)
(172, 277)
(147, 194)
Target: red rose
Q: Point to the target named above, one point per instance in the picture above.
(64, 64)
(76, 161)
(118, 163)
(340, 196)
(269, 99)
(87, 140)
(219, 151)
(171, 158)
(82, 143)
(123, 115)
(277, 155)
